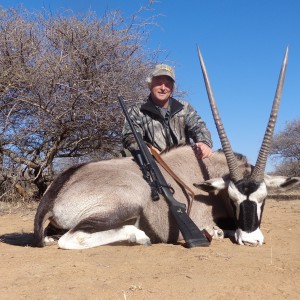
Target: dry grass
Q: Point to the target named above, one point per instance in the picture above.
(286, 195)
(18, 207)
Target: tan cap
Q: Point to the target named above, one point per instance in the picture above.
(162, 69)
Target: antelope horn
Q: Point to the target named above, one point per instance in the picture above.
(259, 169)
(235, 173)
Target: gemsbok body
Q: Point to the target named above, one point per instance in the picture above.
(109, 202)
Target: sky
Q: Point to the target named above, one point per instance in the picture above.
(243, 44)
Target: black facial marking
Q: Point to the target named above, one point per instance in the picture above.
(248, 219)
(247, 187)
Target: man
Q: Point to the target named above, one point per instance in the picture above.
(165, 122)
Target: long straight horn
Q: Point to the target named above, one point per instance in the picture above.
(259, 169)
(235, 173)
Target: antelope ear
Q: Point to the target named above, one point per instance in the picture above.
(281, 182)
(212, 185)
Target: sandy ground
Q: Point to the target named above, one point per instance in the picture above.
(222, 271)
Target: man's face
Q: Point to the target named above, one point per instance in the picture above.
(161, 89)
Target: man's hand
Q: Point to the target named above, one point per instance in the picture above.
(202, 150)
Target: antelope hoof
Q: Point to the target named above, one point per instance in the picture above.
(48, 240)
(215, 232)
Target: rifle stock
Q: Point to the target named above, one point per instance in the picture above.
(192, 235)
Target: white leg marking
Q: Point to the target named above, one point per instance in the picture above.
(84, 240)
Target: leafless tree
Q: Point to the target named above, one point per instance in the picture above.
(59, 81)
(286, 149)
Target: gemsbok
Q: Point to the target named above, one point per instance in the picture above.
(109, 202)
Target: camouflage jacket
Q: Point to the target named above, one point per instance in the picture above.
(181, 124)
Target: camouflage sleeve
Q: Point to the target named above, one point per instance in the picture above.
(196, 127)
(128, 139)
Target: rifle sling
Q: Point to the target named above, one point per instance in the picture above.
(175, 177)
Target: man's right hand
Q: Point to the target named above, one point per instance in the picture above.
(202, 150)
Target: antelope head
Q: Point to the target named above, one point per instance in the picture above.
(246, 194)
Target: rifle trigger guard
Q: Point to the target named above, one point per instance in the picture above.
(169, 187)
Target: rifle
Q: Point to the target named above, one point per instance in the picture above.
(192, 235)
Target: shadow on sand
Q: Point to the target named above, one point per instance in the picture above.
(17, 239)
